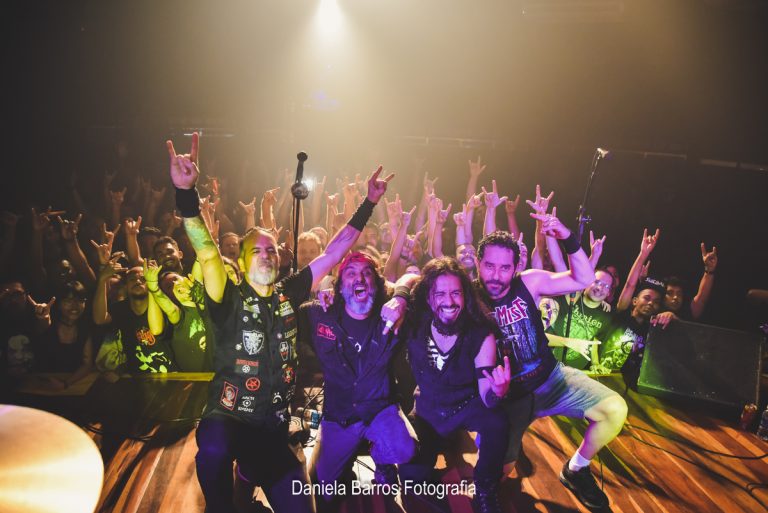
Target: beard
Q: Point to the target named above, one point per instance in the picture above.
(358, 306)
(264, 274)
(450, 328)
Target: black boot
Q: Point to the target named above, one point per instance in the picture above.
(486, 499)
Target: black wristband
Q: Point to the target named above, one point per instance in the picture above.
(571, 244)
(188, 202)
(362, 215)
(403, 292)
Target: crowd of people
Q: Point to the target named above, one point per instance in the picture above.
(181, 277)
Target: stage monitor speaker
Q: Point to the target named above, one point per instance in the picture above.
(706, 363)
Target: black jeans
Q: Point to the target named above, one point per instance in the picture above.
(492, 427)
(264, 458)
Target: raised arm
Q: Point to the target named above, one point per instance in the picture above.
(184, 175)
(540, 205)
(159, 303)
(492, 201)
(699, 301)
(596, 249)
(475, 170)
(580, 273)
(510, 207)
(437, 236)
(345, 239)
(131, 229)
(393, 261)
(69, 230)
(495, 384)
(646, 248)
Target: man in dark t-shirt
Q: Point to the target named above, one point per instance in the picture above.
(541, 386)
(246, 418)
(356, 351)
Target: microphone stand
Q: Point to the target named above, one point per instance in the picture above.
(583, 219)
(300, 192)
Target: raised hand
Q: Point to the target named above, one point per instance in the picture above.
(69, 228)
(118, 197)
(475, 201)
(492, 199)
(394, 208)
(551, 225)
(249, 208)
(40, 221)
(184, 170)
(270, 196)
(442, 215)
(511, 206)
(649, 242)
(499, 378)
(709, 258)
(476, 168)
(405, 218)
(429, 185)
(393, 314)
(541, 204)
(42, 310)
(104, 250)
(377, 187)
(112, 266)
(132, 227)
(596, 246)
(460, 218)
(152, 275)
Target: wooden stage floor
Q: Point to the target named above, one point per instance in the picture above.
(149, 461)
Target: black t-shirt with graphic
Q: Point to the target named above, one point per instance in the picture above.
(625, 342)
(522, 337)
(587, 323)
(189, 342)
(145, 352)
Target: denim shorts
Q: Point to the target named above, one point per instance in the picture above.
(567, 391)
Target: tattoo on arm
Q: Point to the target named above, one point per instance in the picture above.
(199, 235)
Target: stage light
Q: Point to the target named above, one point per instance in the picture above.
(329, 19)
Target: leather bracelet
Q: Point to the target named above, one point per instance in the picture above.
(571, 244)
(188, 202)
(360, 218)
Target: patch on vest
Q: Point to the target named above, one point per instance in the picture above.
(253, 341)
(285, 309)
(228, 396)
(253, 384)
(325, 332)
(247, 367)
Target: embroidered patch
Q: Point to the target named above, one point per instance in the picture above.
(247, 367)
(253, 341)
(276, 398)
(251, 308)
(285, 350)
(228, 396)
(285, 309)
(326, 332)
(288, 374)
(253, 384)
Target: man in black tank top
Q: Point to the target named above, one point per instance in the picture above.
(540, 385)
(452, 351)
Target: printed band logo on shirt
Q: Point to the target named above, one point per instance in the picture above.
(285, 309)
(246, 366)
(512, 313)
(253, 384)
(325, 332)
(145, 337)
(285, 350)
(253, 341)
(228, 396)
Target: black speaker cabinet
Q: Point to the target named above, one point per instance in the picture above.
(706, 363)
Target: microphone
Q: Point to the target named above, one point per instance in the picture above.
(299, 189)
(603, 153)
